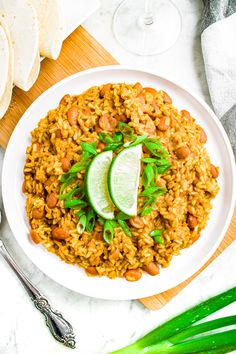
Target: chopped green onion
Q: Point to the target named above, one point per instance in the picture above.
(89, 147)
(105, 138)
(75, 190)
(73, 203)
(124, 227)
(145, 211)
(90, 221)
(156, 191)
(101, 221)
(80, 213)
(149, 160)
(118, 137)
(126, 130)
(77, 167)
(140, 139)
(155, 233)
(85, 156)
(81, 224)
(122, 216)
(108, 231)
(112, 146)
(155, 147)
(67, 181)
(163, 169)
(148, 175)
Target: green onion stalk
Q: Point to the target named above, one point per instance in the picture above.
(177, 334)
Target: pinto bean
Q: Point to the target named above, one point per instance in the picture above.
(155, 106)
(64, 99)
(104, 89)
(137, 222)
(60, 234)
(72, 115)
(138, 87)
(203, 136)
(37, 213)
(186, 115)
(121, 117)
(192, 221)
(36, 147)
(152, 268)
(98, 129)
(133, 274)
(104, 122)
(166, 98)
(52, 200)
(214, 171)
(92, 270)
(182, 152)
(113, 123)
(58, 133)
(164, 123)
(101, 146)
(35, 236)
(150, 90)
(65, 164)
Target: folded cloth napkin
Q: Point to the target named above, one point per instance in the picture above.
(219, 52)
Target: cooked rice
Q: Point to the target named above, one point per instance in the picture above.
(189, 181)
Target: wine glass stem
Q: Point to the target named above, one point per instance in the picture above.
(148, 15)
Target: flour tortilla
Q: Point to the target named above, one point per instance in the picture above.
(21, 19)
(51, 27)
(6, 68)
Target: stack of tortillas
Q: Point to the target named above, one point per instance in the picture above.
(28, 29)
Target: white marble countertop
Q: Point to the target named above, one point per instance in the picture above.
(102, 326)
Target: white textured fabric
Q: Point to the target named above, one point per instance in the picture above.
(219, 53)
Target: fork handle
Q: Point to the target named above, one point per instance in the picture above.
(60, 328)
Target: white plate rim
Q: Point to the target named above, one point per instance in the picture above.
(200, 101)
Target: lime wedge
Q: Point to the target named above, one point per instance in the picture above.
(96, 185)
(123, 179)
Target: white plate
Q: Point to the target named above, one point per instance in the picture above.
(182, 266)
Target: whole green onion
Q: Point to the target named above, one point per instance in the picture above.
(124, 227)
(81, 224)
(182, 321)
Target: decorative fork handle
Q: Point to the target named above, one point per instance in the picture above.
(60, 328)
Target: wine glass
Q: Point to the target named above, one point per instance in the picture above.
(147, 27)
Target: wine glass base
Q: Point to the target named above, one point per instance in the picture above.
(139, 38)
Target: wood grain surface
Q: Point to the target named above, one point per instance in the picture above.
(80, 51)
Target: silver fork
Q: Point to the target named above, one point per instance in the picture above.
(60, 328)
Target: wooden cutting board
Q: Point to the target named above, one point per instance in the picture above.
(80, 51)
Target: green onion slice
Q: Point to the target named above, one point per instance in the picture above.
(124, 227)
(126, 130)
(81, 224)
(108, 231)
(90, 221)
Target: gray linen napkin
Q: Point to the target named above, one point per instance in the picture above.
(219, 52)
